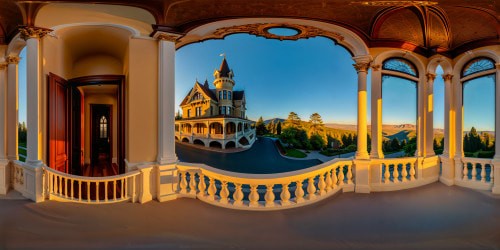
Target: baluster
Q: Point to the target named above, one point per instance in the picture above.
(79, 190)
(114, 190)
(412, 170)
(123, 190)
(386, 173)
(224, 193)
(341, 176)
(192, 183)
(50, 183)
(328, 181)
(465, 171)
(474, 172)
(491, 173)
(183, 184)
(211, 189)
(72, 187)
(88, 190)
(285, 194)
(59, 188)
(311, 189)
(405, 172)
(334, 177)
(65, 187)
(269, 197)
(253, 197)
(106, 191)
(201, 185)
(395, 173)
(322, 184)
(134, 196)
(483, 173)
(97, 196)
(299, 192)
(349, 174)
(238, 195)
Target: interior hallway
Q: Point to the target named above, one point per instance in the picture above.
(430, 217)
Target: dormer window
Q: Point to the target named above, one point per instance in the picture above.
(197, 96)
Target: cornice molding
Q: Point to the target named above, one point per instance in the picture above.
(27, 32)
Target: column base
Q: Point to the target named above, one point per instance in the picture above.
(362, 155)
(167, 160)
(34, 163)
(4, 176)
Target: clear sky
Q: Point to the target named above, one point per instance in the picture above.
(22, 86)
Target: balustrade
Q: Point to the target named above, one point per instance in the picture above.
(475, 170)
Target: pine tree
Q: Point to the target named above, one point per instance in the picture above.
(317, 125)
(260, 127)
(293, 120)
(278, 128)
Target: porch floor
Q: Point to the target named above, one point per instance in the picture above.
(430, 217)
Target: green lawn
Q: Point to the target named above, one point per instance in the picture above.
(21, 151)
(295, 153)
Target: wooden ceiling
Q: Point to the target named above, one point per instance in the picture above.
(449, 27)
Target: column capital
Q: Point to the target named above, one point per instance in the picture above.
(165, 36)
(447, 77)
(3, 65)
(497, 65)
(12, 59)
(375, 67)
(28, 32)
(361, 66)
(430, 76)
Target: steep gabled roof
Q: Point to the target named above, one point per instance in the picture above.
(204, 88)
(238, 95)
(224, 69)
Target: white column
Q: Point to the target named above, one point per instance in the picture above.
(361, 66)
(33, 68)
(497, 114)
(12, 107)
(429, 115)
(376, 118)
(459, 111)
(421, 117)
(4, 163)
(448, 116)
(166, 99)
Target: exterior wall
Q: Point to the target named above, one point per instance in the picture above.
(95, 98)
(142, 101)
(97, 65)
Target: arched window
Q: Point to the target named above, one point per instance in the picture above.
(477, 65)
(103, 127)
(400, 65)
(478, 97)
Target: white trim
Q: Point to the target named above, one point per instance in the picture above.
(133, 32)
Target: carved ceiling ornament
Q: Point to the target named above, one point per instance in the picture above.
(395, 3)
(262, 29)
(12, 59)
(167, 36)
(28, 32)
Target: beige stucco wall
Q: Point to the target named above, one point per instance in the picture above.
(94, 98)
(97, 65)
(142, 101)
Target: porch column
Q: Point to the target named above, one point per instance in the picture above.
(4, 163)
(448, 169)
(12, 107)
(32, 36)
(376, 106)
(429, 115)
(458, 121)
(361, 66)
(497, 114)
(166, 98)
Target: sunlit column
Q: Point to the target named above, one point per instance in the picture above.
(421, 117)
(448, 106)
(12, 106)
(361, 67)
(497, 113)
(166, 98)
(3, 101)
(32, 36)
(459, 112)
(429, 115)
(376, 117)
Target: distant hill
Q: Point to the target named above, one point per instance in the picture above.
(275, 120)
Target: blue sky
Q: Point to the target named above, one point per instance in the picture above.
(306, 76)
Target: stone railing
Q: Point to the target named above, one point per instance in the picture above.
(403, 173)
(264, 191)
(216, 136)
(96, 190)
(475, 173)
(27, 180)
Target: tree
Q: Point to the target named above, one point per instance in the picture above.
(271, 127)
(278, 128)
(317, 141)
(395, 144)
(260, 127)
(293, 120)
(317, 125)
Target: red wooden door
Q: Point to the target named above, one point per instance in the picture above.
(58, 93)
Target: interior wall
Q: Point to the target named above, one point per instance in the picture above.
(96, 98)
(142, 101)
(100, 64)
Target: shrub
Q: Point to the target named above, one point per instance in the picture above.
(485, 154)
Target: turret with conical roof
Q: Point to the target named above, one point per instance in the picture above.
(224, 84)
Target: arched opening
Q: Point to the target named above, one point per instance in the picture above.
(243, 141)
(186, 128)
(22, 129)
(230, 144)
(478, 86)
(230, 128)
(216, 128)
(399, 107)
(438, 111)
(215, 144)
(186, 140)
(200, 128)
(176, 138)
(198, 142)
(239, 127)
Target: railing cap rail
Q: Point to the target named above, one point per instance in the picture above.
(86, 178)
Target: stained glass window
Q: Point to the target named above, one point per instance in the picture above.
(103, 127)
(477, 65)
(400, 65)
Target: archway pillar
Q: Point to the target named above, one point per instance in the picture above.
(361, 66)
(376, 113)
(458, 121)
(4, 163)
(496, 159)
(428, 149)
(448, 173)
(166, 98)
(12, 107)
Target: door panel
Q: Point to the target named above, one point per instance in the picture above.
(77, 139)
(58, 123)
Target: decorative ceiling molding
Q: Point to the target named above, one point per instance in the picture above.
(395, 3)
(261, 29)
(27, 32)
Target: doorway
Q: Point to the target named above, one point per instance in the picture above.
(101, 139)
